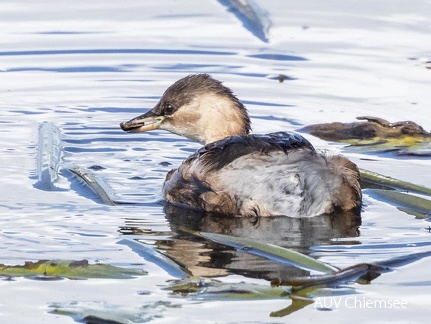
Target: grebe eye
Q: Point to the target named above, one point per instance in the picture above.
(168, 109)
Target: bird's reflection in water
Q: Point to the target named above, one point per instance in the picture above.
(208, 259)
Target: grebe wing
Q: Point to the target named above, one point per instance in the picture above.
(198, 182)
(218, 154)
(262, 175)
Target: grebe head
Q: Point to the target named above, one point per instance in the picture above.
(197, 107)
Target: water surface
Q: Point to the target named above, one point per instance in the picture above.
(89, 66)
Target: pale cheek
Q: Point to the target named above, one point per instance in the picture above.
(178, 127)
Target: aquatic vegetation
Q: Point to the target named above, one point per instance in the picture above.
(270, 251)
(372, 179)
(57, 269)
(397, 193)
(151, 254)
(376, 135)
(203, 288)
(410, 204)
(300, 290)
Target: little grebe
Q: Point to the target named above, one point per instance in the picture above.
(242, 174)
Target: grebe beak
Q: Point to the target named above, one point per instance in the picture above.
(143, 123)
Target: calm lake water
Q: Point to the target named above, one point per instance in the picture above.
(86, 66)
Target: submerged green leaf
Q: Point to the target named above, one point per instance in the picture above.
(151, 254)
(410, 204)
(270, 251)
(405, 146)
(215, 290)
(353, 273)
(370, 177)
(297, 304)
(68, 269)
